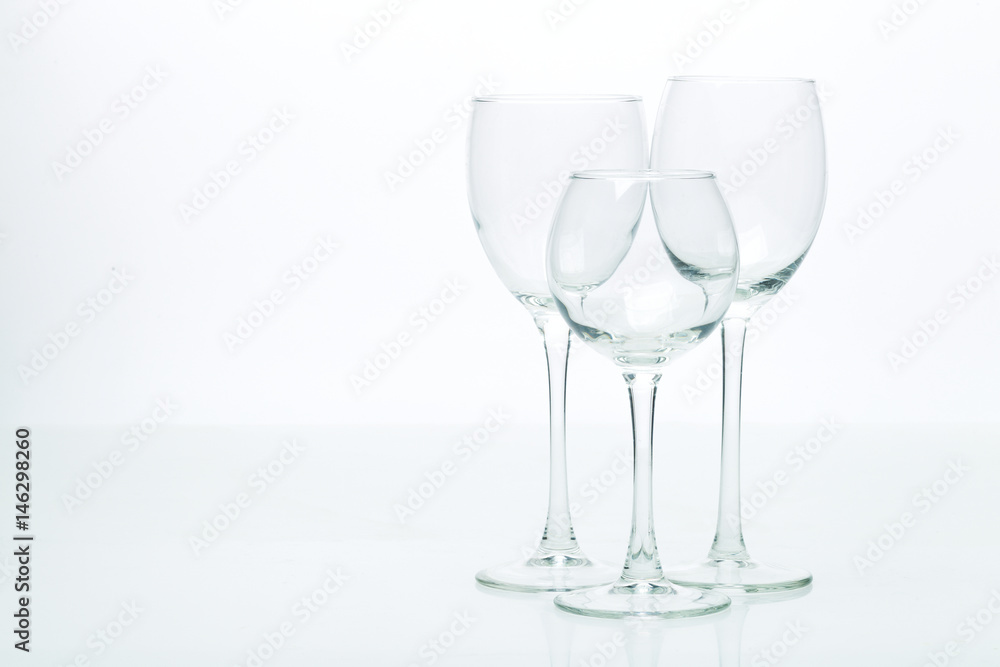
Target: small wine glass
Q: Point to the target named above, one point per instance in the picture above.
(643, 265)
(764, 140)
(522, 149)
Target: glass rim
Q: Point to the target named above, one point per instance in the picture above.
(556, 98)
(693, 78)
(639, 175)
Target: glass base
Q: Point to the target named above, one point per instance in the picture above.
(736, 577)
(548, 574)
(657, 599)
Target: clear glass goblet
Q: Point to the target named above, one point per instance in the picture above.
(643, 265)
(764, 140)
(522, 150)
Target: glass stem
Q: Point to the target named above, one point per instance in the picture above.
(643, 561)
(728, 543)
(558, 538)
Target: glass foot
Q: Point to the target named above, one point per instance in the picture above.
(737, 577)
(552, 574)
(658, 599)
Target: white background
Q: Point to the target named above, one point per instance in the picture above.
(325, 175)
(164, 336)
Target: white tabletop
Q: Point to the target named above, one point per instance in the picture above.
(386, 592)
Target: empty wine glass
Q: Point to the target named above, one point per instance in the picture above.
(643, 265)
(764, 140)
(522, 149)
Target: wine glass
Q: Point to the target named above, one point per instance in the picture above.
(522, 149)
(642, 265)
(764, 140)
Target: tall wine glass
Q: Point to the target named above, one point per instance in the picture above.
(764, 140)
(522, 149)
(643, 265)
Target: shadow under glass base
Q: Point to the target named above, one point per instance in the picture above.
(656, 599)
(551, 574)
(736, 577)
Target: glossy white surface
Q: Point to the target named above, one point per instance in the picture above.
(331, 510)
